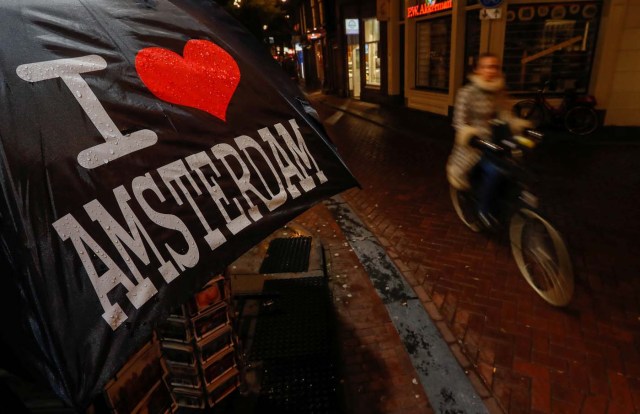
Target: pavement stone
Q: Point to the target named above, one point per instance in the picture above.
(377, 374)
(534, 358)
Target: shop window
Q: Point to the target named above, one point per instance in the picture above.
(372, 52)
(471, 41)
(314, 13)
(433, 44)
(550, 42)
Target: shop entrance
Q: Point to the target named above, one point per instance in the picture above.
(353, 66)
(354, 71)
(319, 58)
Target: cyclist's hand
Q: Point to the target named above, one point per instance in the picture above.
(518, 125)
(525, 141)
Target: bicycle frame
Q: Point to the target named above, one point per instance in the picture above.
(557, 113)
(552, 112)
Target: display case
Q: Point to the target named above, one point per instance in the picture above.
(199, 347)
(219, 366)
(183, 376)
(141, 384)
(210, 321)
(178, 353)
(175, 329)
(222, 387)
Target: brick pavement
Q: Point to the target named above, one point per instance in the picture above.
(377, 373)
(532, 357)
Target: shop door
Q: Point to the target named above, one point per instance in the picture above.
(353, 65)
(355, 57)
(319, 62)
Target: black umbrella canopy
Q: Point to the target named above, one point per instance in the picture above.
(144, 146)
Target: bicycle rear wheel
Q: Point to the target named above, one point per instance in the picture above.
(466, 208)
(581, 120)
(542, 257)
(531, 111)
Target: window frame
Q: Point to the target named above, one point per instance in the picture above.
(592, 40)
(366, 47)
(445, 15)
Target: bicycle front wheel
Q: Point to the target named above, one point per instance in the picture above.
(531, 111)
(542, 257)
(466, 208)
(581, 120)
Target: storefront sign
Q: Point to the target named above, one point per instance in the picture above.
(491, 3)
(316, 34)
(351, 26)
(429, 6)
(490, 14)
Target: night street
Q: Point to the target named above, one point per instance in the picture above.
(320, 207)
(522, 354)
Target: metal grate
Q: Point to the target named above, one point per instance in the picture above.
(287, 255)
(295, 342)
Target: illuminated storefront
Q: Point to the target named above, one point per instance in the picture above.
(363, 51)
(581, 45)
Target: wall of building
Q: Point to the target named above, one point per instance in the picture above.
(615, 72)
(617, 80)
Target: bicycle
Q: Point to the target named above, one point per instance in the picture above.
(537, 247)
(575, 113)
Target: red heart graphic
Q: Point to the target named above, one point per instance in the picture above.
(205, 78)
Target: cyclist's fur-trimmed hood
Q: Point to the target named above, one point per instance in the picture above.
(496, 85)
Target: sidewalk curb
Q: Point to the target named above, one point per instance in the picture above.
(458, 352)
(440, 374)
(405, 132)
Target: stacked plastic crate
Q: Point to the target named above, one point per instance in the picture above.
(140, 386)
(199, 346)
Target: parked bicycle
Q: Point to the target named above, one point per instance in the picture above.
(576, 113)
(537, 247)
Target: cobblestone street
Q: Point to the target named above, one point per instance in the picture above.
(521, 354)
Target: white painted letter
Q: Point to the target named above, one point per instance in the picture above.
(244, 142)
(69, 70)
(301, 154)
(169, 221)
(221, 152)
(196, 162)
(119, 236)
(173, 172)
(287, 167)
(69, 228)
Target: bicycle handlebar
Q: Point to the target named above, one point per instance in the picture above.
(528, 140)
(480, 143)
(532, 133)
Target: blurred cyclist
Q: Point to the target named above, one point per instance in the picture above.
(477, 103)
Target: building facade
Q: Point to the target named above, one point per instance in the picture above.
(419, 52)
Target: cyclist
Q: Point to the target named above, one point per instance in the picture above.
(477, 103)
